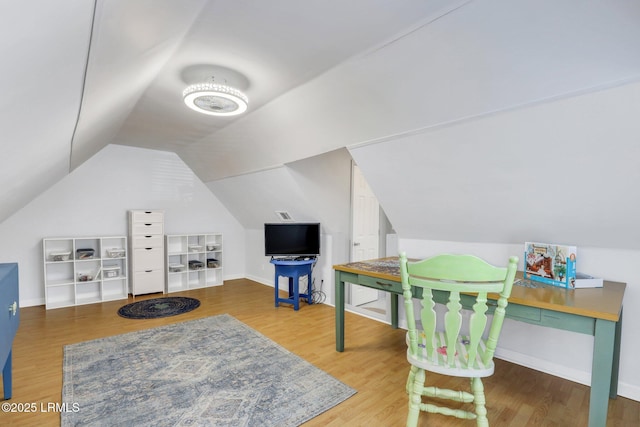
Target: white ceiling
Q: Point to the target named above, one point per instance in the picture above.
(143, 56)
(77, 78)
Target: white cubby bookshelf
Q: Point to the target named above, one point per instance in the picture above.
(193, 261)
(84, 270)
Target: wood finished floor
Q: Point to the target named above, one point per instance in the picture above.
(373, 363)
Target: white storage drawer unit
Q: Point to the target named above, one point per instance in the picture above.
(146, 237)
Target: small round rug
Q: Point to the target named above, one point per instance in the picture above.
(158, 307)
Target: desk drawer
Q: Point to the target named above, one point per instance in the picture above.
(568, 322)
(550, 318)
(382, 284)
(523, 313)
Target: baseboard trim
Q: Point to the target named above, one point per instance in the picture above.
(578, 376)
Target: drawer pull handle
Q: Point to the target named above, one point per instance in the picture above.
(148, 271)
(384, 284)
(147, 225)
(148, 237)
(148, 249)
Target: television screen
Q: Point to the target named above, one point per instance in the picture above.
(292, 239)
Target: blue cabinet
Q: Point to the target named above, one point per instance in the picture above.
(9, 319)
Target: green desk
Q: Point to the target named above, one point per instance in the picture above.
(596, 312)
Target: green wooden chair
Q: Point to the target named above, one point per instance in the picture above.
(461, 348)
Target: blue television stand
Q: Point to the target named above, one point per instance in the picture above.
(293, 269)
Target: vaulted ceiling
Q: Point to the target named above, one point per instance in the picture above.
(320, 74)
(143, 54)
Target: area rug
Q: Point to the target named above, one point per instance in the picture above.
(214, 371)
(158, 307)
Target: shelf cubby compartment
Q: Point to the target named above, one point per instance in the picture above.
(214, 276)
(177, 282)
(86, 248)
(60, 295)
(113, 248)
(58, 250)
(196, 279)
(114, 289)
(87, 270)
(59, 273)
(113, 269)
(88, 292)
(177, 245)
(196, 243)
(213, 242)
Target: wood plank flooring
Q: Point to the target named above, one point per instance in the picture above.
(373, 363)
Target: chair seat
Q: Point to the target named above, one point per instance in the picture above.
(439, 363)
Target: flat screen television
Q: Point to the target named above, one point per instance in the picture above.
(292, 239)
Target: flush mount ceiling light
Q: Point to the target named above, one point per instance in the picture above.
(215, 99)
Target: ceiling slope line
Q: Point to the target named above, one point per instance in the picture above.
(251, 172)
(424, 23)
(82, 85)
(515, 107)
(176, 47)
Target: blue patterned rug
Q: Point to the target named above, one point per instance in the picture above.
(214, 371)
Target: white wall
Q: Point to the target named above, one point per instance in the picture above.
(94, 199)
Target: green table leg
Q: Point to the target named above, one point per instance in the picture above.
(394, 310)
(339, 302)
(601, 372)
(613, 391)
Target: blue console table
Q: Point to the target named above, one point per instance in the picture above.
(9, 319)
(293, 269)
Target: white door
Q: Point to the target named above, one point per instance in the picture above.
(365, 231)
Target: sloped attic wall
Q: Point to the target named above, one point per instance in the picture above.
(41, 90)
(313, 189)
(562, 171)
